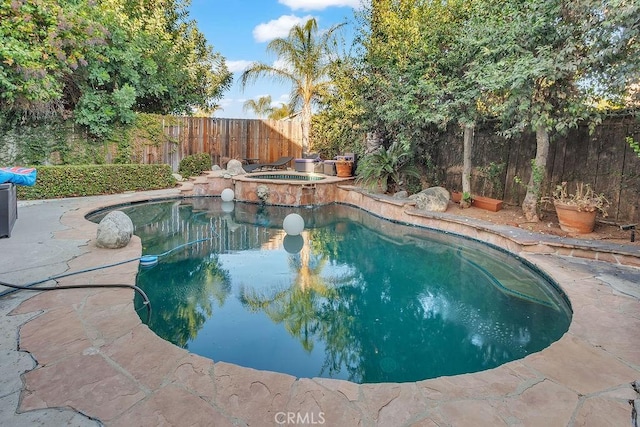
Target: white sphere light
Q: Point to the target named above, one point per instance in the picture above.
(293, 224)
(227, 195)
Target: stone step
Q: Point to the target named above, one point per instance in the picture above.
(186, 186)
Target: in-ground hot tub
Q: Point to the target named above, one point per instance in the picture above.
(287, 188)
(286, 176)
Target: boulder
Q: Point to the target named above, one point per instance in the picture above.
(401, 195)
(434, 199)
(234, 167)
(114, 231)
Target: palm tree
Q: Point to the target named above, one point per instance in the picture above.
(281, 112)
(261, 107)
(305, 56)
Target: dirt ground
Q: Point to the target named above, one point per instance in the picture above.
(512, 215)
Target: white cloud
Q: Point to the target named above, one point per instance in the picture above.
(237, 66)
(278, 27)
(319, 4)
(282, 99)
(281, 64)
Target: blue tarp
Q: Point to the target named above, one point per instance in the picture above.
(18, 176)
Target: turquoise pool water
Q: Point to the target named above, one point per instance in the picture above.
(286, 177)
(354, 297)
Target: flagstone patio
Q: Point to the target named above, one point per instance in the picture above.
(87, 359)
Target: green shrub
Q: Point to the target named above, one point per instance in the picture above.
(387, 169)
(89, 180)
(195, 164)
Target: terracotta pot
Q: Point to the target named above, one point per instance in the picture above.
(574, 221)
(343, 169)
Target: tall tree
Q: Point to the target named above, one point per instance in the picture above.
(546, 61)
(155, 61)
(304, 59)
(337, 126)
(102, 61)
(41, 45)
(416, 65)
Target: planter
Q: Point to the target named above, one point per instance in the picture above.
(486, 203)
(574, 221)
(343, 169)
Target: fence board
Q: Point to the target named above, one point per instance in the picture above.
(556, 163)
(628, 209)
(225, 139)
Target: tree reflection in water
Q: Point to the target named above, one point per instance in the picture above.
(183, 293)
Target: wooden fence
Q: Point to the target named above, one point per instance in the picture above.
(602, 159)
(224, 139)
(501, 166)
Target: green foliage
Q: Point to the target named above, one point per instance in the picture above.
(90, 180)
(635, 146)
(544, 64)
(387, 169)
(532, 64)
(43, 43)
(337, 127)
(147, 129)
(32, 143)
(584, 199)
(58, 141)
(415, 67)
(494, 172)
(262, 108)
(195, 164)
(102, 61)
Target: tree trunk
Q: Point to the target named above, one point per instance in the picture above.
(538, 170)
(306, 128)
(466, 158)
(373, 142)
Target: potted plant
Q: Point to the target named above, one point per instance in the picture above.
(577, 212)
(344, 168)
(465, 200)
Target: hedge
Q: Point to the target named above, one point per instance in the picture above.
(194, 164)
(90, 180)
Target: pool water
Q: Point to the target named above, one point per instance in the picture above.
(287, 177)
(354, 297)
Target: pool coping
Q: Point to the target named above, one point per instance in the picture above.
(95, 356)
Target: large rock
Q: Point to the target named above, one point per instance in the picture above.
(234, 167)
(435, 199)
(114, 231)
(401, 195)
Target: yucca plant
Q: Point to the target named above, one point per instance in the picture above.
(386, 170)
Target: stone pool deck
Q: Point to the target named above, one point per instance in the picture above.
(82, 357)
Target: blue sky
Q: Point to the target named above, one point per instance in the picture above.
(241, 29)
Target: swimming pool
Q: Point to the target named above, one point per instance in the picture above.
(363, 299)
